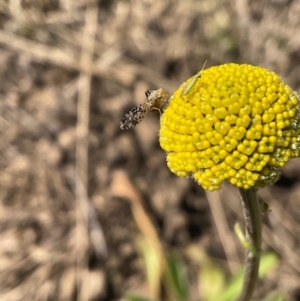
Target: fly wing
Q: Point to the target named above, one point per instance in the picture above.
(133, 117)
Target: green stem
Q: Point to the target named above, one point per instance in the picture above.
(252, 215)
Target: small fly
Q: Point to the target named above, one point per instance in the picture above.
(188, 87)
(157, 100)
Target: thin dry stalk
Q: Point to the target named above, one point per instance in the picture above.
(84, 92)
(223, 229)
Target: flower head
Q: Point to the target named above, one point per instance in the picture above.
(231, 122)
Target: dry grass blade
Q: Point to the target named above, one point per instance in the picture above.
(84, 92)
(59, 57)
(288, 254)
(44, 47)
(224, 232)
(122, 187)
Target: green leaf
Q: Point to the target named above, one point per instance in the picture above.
(134, 297)
(153, 264)
(267, 262)
(275, 297)
(234, 287)
(176, 278)
(211, 282)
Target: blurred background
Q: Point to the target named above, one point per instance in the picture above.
(90, 212)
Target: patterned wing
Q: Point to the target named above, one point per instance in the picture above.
(133, 117)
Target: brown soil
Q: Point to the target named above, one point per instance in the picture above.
(63, 157)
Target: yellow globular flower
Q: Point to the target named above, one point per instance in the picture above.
(231, 122)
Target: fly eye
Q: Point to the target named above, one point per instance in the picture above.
(148, 92)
